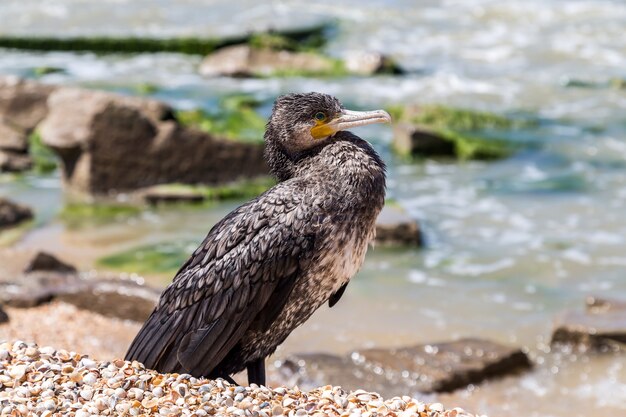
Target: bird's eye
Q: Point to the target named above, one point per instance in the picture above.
(320, 116)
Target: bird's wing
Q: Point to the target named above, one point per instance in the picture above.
(250, 258)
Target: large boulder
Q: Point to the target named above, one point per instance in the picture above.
(110, 143)
(601, 327)
(439, 367)
(23, 104)
(12, 214)
(246, 61)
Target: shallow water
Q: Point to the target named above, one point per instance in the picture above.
(510, 244)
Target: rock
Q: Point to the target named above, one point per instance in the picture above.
(46, 262)
(23, 103)
(440, 367)
(12, 139)
(444, 367)
(4, 317)
(370, 63)
(413, 140)
(36, 288)
(111, 143)
(161, 194)
(246, 61)
(15, 161)
(113, 298)
(109, 295)
(601, 327)
(395, 227)
(309, 370)
(12, 213)
(599, 305)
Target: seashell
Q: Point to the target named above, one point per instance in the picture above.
(149, 402)
(157, 381)
(17, 372)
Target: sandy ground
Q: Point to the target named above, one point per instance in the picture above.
(65, 327)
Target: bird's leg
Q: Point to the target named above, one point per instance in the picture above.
(228, 379)
(256, 372)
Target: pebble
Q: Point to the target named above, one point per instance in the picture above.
(67, 383)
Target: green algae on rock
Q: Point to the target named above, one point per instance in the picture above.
(77, 214)
(41, 71)
(435, 130)
(262, 62)
(165, 257)
(236, 118)
(185, 193)
(44, 159)
(308, 36)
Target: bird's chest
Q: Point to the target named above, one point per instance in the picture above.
(339, 258)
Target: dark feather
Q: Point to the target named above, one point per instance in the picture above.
(337, 296)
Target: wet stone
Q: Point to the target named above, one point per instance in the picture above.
(163, 195)
(440, 367)
(413, 140)
(602, 327)
(112, 298)
(599, 305)
(395, 226)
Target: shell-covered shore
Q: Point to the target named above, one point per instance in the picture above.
(47, 382)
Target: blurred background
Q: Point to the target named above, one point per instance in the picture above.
(507, 169)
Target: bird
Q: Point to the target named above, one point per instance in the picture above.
(267, 266)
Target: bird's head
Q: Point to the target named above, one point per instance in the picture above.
(303, 121)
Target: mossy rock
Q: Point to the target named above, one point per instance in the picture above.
(161, 258)
(245, 61)
(41, 71)
(442, 131)
(145, 89)
(335, 68)
(78, 214)
(184, 193)
(236, 118)
(615, 83)
(306, 37)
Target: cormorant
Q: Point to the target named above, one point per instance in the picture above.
(269, 264)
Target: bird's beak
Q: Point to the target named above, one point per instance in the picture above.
(348, 119)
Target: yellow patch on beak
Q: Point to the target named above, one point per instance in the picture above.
(348, 119)
(322, 130)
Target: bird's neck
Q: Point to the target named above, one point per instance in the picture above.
(348, 162)
(281, 164)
